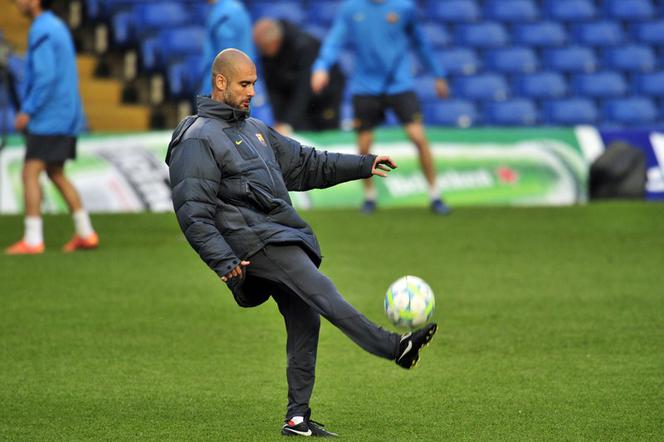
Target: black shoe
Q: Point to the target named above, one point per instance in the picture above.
(306, 428)
(411, 344)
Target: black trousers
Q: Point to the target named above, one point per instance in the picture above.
(303, 294)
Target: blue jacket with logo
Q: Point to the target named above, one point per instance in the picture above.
(381, 33)
(50, 85)
(228, 26)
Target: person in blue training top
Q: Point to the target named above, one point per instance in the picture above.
(51, 116)
(382, 32)
(227, 26)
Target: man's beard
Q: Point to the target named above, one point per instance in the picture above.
(237, 104)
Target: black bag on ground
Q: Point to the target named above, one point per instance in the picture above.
(620, 172)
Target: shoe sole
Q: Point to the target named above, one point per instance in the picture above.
(430, 336)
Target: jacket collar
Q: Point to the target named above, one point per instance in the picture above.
(209, 108)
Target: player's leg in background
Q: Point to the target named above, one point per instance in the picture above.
(368, 113)
(32, 193)
(85, 235)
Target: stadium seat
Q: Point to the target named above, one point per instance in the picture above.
(169, 45)
(570, 10)
(184, 77)
(436, 34)
(460, 113)
(511, 11)
(569, 112)
(459, 61)
(650, 84)
(512, 60)
(426, 89)
(122, 28)
(519, 112)
(630, 111)
(287, 9)
(158, 16)
(600, 85)
(482, 35)
(651, 33)
(601, 33)
(573, 59)
(631, 58)
(452, 11)
(481, 87)
(541, 85)
(543, 34)
(322, 12)
(630, 10)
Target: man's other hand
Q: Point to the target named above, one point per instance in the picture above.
(319, 81)
(237, 271)
(383, 165)
(21, 121)
(442, 89)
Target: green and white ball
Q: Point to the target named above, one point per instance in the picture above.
(409, 302)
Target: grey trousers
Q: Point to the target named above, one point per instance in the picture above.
(303, 294)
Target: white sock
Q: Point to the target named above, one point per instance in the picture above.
(297, 420)
(370, 194)
(82, 223)
(434, 193)
(34, 234)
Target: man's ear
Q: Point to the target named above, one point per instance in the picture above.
(220, 82)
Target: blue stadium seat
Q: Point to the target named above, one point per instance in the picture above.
(570, 10)
(184, 77)
(459, 61)
(631, 58)
(481, 87)
(482, 35)
(568, 112)
(453, 11)
(288, 9)
(630, 111)
(651, 33)
(172, 44)
(542, 34)
(512, 60)
(322, 12)
(511, 11)
(630, 10)
(519, 112)
(436, 34)
(541, 85)
(426, 89)
(600, 85)
(161, 15)
(461, 113)
(573, 59)
(650, 84)
(122, 28)
(601, 33)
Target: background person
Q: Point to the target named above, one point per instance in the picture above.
(230, 176)
(227, 26)
(382, 32)
(51, 116)
(286, 55)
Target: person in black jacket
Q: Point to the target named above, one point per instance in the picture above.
(230, 176)
(286, 55)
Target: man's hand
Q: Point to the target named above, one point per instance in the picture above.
(284, 129)
(382, 165)
(237, 271)
(21, 121)
(442, 89)
(319, 81)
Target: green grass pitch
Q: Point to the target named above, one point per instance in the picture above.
(551, 328)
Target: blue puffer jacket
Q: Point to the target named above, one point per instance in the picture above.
(230, 176)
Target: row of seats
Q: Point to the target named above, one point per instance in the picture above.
(631, 112)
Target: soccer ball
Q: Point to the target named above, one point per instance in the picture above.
(409, 302)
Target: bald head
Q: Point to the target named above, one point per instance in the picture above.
(233, 78)
(268, 35)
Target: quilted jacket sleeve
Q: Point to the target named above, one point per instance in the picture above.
(306, 168)
(195, 177)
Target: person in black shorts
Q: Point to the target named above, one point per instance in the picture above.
(382, 35)
(51, 117)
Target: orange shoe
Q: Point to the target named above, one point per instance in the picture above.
(23, 248)
(80, 243)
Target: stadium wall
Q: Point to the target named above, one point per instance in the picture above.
(126, 173)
